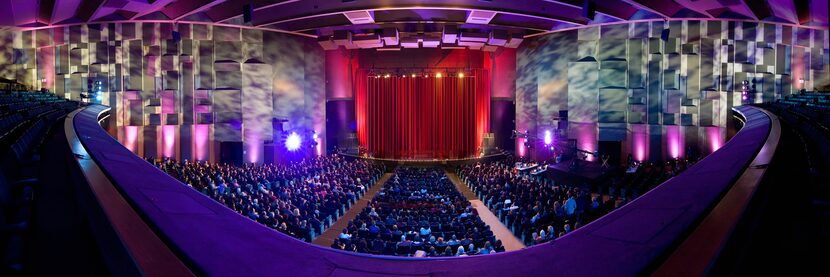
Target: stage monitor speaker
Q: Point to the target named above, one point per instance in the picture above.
(664, 35)
(247, 13)
(588, 10)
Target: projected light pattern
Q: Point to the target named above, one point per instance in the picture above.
(292, 142)
(253, 145)
(640, 139)
(713, 135)
(201, 140)
(674, 141)
(131, 138)
(169, 140)
(520, 147)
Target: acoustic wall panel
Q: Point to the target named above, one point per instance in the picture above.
(612, 49)
(228, 51)
(582, 91)
(654, 88)
(635, 63)
(205, 78)
(142, 63)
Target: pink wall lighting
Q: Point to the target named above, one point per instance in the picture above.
(639, 138)
(674, 141)
(714, 137)
(253, 146)
(169, 141)
(201, 137)
(131, 138)
(520, 147)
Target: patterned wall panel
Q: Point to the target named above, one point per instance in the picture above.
(210, 83)
(684, 74)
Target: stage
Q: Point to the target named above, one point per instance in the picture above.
(585, 173)
(429, 162)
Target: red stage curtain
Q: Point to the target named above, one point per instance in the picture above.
(422, 117)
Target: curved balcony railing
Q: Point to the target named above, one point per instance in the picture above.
(214, 240)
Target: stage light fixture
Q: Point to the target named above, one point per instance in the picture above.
(386, 76)
(460, 75)
(413, 75)
(548, 137)
(293, 141)
(438, 75)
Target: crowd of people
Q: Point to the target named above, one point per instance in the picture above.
(539, 212)
(299, 199)
(418, 212)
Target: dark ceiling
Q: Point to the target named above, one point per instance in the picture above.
(323, 17)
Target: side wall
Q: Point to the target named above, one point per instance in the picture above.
(661, 88)
(179, 96)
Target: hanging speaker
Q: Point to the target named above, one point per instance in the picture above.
(588, 10)
(177, 37)
(247, 13)
(664, 35)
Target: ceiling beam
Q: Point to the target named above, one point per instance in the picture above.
(748, 10)
(182, 9)
(696, 8)
(87, 9)
(611, 8)
(45, 10)
(232, 9)
(760, 9)
(635, 3)
(154, 7)
(615, 9)
(802, 9)
(305, 9)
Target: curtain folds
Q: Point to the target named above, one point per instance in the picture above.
(402, 117)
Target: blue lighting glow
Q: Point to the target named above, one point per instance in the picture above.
(98, 97)
(292, 143)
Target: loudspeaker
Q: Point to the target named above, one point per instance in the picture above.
(664, 35)
(588, 9)
(247, 13)
(177, 37)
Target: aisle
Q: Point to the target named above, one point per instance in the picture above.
(501, 232)
(332, 232)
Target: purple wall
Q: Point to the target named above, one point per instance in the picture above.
(502, 121)
(340, 121)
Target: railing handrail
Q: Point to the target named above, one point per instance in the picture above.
(143, 252)
(696, 255)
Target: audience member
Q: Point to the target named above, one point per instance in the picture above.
(297, 199)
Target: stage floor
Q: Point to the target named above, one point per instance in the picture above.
(429, 161)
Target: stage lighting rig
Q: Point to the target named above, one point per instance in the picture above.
(293, 142)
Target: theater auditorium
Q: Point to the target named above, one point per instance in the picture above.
(414, 137)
